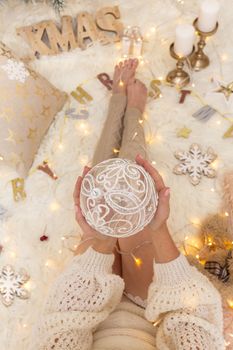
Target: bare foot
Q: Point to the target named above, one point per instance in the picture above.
(137, 95)
(123, 74)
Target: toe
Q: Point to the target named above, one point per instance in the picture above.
(131, 63)
(125, 63)
(135, 63)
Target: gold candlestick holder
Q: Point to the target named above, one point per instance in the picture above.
(200, 60)
(178, 77)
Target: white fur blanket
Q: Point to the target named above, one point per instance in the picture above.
(49, 203)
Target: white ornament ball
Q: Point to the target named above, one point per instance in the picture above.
(118, 198)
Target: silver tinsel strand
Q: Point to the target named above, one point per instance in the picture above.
(58, 4)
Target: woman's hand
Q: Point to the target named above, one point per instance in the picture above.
(163, 209)
(91, 237)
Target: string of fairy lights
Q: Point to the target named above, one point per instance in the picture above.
(71, 241)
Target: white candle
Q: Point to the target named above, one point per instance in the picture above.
(208, 15)
(185, 35)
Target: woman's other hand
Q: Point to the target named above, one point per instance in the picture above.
(90, 237)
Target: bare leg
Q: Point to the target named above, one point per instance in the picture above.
(137, 279)
(111, 135)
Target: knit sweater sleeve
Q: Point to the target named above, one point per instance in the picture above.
(186, 308)
(82, 297)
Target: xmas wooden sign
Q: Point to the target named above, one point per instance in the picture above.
(46, 38)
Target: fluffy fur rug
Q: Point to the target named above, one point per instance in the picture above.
(49, 203)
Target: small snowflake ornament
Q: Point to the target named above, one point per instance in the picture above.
(15, 70)
(11, 285)
(195, 163)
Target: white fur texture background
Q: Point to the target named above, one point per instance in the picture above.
(68, 146)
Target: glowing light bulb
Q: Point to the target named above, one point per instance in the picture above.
(212, 189)
(49, 263)
(137, 261)
(226, 213)
(115, 150)
(83, 160)
(215, 164)
(1, 157)
(86, 132)
(140, 121)
(230, 303)
(28, 285)
(196, 221)
(12, 255)
(153, 162)
(54, 206)
(197, 256)
(219, 122)
(121, 83)
(224, 57)
(59, 251)
(60, 146)
(6, 239)
(82, 125)
(153, 29)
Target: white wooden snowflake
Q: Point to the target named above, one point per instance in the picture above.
(15, 70)
(11, 285)
(195, 163)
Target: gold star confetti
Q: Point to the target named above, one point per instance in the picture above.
(226, 90)
(229, 132)
(40, 92)
(11, 136)
(46, 112)
(21, 90)
(31, 133)
(6, 114)
(28, 113)
(4, 51)
(184, 132)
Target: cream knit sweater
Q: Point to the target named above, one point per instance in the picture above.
(86, 300)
